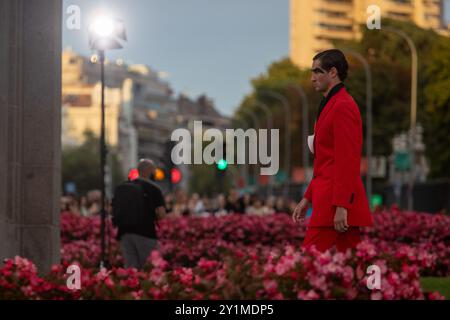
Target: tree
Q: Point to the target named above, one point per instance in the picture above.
(80, 164)
(390, 61)
(437, 109)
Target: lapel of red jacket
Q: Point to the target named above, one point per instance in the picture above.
(327, 109)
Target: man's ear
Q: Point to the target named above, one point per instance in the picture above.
(334, 72)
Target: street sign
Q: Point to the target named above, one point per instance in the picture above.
(402, 161)
(280, 177)
(378, 166)
(70, 187)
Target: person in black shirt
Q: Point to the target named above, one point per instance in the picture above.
(139, 241)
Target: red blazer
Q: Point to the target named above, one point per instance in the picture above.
(337, 179)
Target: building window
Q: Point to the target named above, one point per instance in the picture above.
(398, 15)
(332, 14)
(402, 1)
(339, 1)
(335, 27)
(77, 100)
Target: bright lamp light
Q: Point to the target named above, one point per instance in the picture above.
(103, 26)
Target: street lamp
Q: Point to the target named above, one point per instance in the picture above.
(287, 142)
(305, 125)
(244, 124)
(257, 125)
(269, 119)
(413, 115)
(369, 140)
(104, 33)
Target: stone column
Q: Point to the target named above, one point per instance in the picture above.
(30, 129)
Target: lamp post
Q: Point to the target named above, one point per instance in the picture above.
(287, 143)
(305, 116)
(413, 114)
(103, 34)
(269, 119)
(369, 140)
(246, 174)
(256, 125)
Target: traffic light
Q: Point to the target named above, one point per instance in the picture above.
(175, 175)
(221, 169)
(222, 164)
(159, 174)
(133, 174)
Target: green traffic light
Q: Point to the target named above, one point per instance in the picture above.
(222, 164)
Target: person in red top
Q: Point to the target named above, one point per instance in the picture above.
(336, 191)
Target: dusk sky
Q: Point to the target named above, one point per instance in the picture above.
(205, 46)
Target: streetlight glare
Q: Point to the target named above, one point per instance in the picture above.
(105, 31)
(103, 26)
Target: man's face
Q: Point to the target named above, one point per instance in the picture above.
(320, 78)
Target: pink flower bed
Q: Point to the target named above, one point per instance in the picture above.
(243, 257)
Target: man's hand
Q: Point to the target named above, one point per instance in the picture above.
(300, 211)
(340, 219)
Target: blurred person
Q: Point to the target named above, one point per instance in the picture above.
(270, 205)
(245, 202)
(74, 205)
(84, 206)
(208, 207)
(280, 205)
(168, 199)
(257, 207)
(138, 206)
(93, 202)
(196, 206)
(221, 205)
(64, 204)
(180, 207)
(340, 205)
(233, 204)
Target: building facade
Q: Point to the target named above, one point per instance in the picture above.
(138, 107)
(314, 24)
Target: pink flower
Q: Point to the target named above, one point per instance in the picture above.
(307, 295)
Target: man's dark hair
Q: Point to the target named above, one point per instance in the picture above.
(333, 58)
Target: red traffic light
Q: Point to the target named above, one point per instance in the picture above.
(175, 175)
(133, 174)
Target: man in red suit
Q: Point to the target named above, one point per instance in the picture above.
(336, 191)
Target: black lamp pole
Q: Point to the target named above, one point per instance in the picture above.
(103, 152)
(100, 39)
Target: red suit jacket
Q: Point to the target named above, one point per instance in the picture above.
(337, 156)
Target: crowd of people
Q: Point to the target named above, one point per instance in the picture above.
(179, 203)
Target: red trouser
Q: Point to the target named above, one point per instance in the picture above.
(326, 237)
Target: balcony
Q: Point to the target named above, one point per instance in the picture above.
(334, 5)
(333, 31)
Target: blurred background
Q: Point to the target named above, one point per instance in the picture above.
(246, 64)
